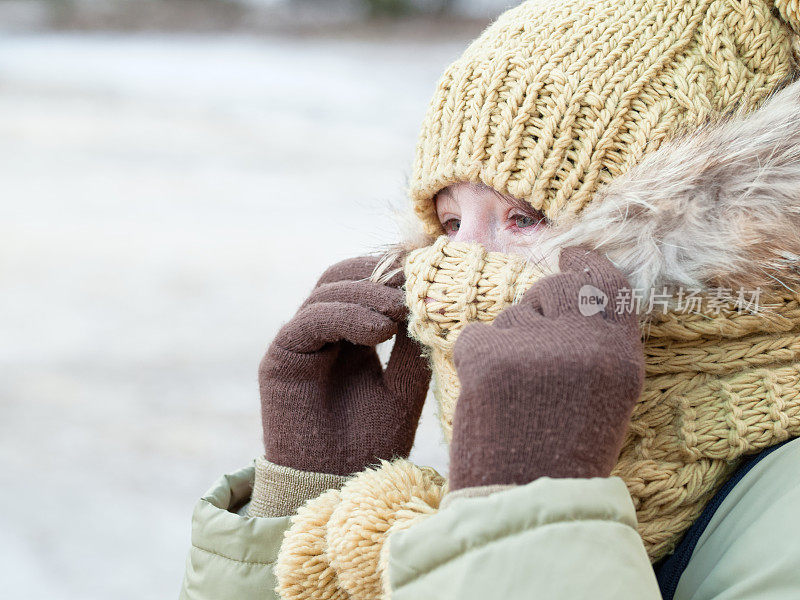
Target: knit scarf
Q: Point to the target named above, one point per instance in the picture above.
(720, 384)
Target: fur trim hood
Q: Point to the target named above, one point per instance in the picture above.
(719, 207)
(716, 208)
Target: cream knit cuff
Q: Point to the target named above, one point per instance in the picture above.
(279, 491)
(473, 492)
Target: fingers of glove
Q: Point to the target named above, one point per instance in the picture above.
(588, 285)
(408, 373)
(556, 295)
(599, 272)
(380, 298)
(519, 315)
(351, 269)
(328, 322)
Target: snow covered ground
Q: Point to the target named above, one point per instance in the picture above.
(165, 204)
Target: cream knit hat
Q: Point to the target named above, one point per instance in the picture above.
(558, 97)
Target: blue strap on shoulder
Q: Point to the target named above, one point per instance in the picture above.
(670, 568)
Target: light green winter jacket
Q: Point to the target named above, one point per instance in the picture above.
(552, 538)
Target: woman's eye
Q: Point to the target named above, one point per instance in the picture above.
(452, 225)
(523, 221)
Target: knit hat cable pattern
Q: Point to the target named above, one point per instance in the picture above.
(556, 99)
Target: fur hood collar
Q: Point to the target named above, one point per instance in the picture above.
(719, 207)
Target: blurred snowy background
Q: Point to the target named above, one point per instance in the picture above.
(174, 175)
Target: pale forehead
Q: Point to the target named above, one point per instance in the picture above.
(478, 192)
(468, 190)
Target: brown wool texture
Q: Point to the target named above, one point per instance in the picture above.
(327, 404)
(557, 386)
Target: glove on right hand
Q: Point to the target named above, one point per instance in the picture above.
(327, 404)
(546, 390)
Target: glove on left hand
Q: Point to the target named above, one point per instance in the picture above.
(545, 389)
(327, 403)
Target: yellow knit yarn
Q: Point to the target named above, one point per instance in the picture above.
(560, 96)
(337, 545)
(303, 568)
(717, 387)
(448, 285)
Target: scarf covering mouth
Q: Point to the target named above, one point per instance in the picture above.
(720, 382)
(715, 215)
(716, 210)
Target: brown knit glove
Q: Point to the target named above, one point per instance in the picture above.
(546, 390)
(327, 405)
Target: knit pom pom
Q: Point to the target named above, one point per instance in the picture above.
(383, 560)
(303, 569)
(790, 11)
(372, 505)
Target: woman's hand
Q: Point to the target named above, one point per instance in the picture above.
(548, 389)
(327, 404)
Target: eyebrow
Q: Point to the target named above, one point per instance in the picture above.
(517, 203)
(508, 200)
